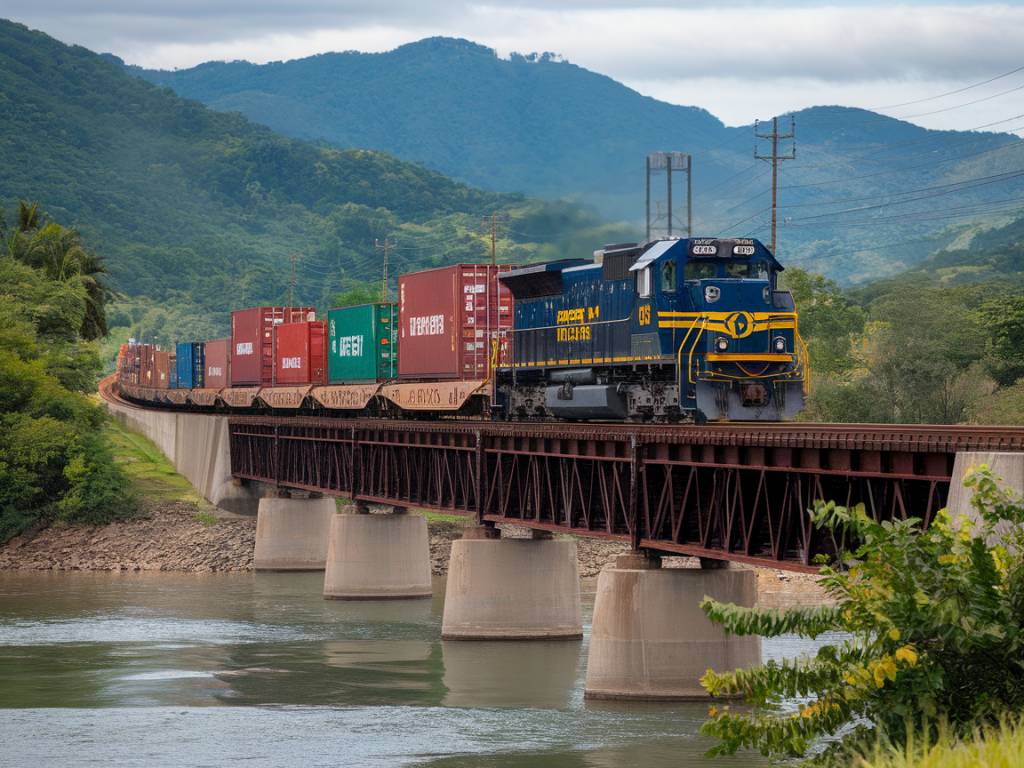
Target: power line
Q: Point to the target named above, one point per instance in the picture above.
(903, 168)
(961, 106)
(964, 183)
(941, 213)
(1002, 177)
(948, 93)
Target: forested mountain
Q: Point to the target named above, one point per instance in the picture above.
(864, 197)
(200, 209)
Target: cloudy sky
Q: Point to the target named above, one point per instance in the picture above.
(740, 59)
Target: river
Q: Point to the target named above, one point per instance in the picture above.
(213, 670)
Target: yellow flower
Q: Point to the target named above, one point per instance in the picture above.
(712, 711)
(907, 654)
(947, 559)
(894, 634)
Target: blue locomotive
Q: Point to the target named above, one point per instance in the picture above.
(668, 330)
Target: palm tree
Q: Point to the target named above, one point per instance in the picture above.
(58, 253)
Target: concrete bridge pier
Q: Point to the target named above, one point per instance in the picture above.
(377, 556)
(291, 533)
(651, 641)
(1008, 467)
(512, 589)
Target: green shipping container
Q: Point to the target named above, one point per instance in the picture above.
(362, 343)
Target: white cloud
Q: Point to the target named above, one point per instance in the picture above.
(739, 60)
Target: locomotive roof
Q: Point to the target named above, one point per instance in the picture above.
(545, 279)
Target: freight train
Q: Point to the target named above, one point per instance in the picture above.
(670, 330)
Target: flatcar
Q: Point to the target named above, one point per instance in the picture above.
(675, 329)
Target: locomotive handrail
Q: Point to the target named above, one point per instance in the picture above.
(800, 353)
(570, 325)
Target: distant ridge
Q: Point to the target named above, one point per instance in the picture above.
(541, 126)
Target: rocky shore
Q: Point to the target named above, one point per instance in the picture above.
(181, 537)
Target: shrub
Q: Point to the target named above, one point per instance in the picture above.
(933, 628)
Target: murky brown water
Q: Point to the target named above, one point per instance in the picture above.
(193, 670)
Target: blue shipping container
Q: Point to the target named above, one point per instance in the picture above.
(191, 364)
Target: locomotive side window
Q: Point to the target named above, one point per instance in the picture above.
(643, 283)
(668, 277)
(700, 270)
(759, 270)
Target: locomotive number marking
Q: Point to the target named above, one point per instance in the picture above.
(644, 314)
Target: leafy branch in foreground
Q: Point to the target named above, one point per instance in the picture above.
(932, 624)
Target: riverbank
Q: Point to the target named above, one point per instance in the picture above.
(182, 536)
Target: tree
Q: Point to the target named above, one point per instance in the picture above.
(828, 320)
(1003, 322)
(356, 294)
(60, 254)
(934, 628)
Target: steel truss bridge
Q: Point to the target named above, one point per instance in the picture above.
(727, 491)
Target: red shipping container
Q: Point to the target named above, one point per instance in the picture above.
(161, 370)
(252, 342)
(218, 364)
(448, 320)
(300, 353)
(147, 365)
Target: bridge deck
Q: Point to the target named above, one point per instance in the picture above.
(728, 491)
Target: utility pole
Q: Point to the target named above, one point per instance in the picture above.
(774, 158)
(492, 222)
(385, 246)
(670, 162)
(291, 286)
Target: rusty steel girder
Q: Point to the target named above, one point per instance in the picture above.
(732, 492)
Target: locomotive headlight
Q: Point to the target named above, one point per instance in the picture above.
(711, 293)
(721, 343)
(780, 344)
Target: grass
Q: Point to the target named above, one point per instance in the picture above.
(150, 472)
(205, 518)
(1001, 747)
(429, 514)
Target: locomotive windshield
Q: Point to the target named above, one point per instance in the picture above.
(756, 270)
(700, 270)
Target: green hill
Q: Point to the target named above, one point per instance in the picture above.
(200, 209)
(541, 126)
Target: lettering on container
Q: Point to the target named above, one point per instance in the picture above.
(427, 325)
(214, 370)
(243, 348)
(291, 362)
(348, 346)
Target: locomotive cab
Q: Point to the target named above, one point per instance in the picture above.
(666, 330)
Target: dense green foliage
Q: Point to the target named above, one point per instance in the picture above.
(200, 211)
(935, 346)
(540, 125)
(932, 625)
(54, 462)
(999, 746)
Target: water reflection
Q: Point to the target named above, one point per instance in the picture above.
(133, 669)
(535, 673)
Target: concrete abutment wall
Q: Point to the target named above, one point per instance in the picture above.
(199, 448)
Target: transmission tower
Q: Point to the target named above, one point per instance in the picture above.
(775, 158)
(669, 162)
